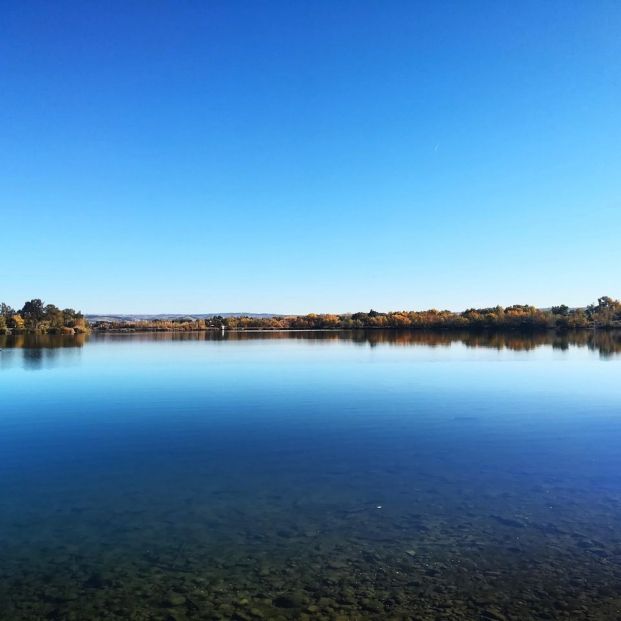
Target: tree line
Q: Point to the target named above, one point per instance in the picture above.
(605, 314)
(37, 317)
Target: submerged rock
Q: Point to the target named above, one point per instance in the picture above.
(296, 599)
(175, 599)
(492, 614)
(512, 523)
(95, 581)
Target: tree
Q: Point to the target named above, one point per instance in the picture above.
(33, 313)
(6, 311)
(607, 311)
(16, 322)
(562, 310)
(606, 302)
(54, 317)
(3, 325)
(69, 316)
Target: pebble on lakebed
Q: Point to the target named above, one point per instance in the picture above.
(356, 565)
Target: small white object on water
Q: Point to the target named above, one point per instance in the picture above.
(378, 507)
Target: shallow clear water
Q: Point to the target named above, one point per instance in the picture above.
(310, 475)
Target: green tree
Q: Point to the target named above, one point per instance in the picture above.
(54, 317)
(562, 310)
(33, 313)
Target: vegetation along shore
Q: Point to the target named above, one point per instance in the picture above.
(37, 317)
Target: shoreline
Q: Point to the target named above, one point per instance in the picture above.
(438, 329)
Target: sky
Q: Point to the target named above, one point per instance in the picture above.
(319, 156)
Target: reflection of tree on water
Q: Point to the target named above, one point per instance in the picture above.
(42, 341)
(605, 342)
(40, 351)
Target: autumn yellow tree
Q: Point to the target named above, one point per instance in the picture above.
(17, 322)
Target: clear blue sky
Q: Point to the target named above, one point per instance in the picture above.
(309, 156)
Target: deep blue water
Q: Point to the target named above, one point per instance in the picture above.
(310, 475)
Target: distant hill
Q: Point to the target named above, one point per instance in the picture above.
(172, 316)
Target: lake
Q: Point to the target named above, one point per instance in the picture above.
(310, 475)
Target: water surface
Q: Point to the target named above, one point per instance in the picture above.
(309, 475)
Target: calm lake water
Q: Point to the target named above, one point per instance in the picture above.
(310, 476)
